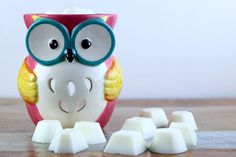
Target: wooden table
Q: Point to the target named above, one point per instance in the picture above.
(211, 115)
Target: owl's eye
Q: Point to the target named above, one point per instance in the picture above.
(86, 43)
(93, 41)
(46, 41)
(53, 44)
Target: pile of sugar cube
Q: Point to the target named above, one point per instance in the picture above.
(149, 131)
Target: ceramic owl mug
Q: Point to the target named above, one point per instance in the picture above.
(70, 74)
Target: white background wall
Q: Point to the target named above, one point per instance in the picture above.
(168, 49)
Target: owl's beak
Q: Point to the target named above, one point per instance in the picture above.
(70, 55)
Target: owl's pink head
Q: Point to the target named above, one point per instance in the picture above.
(70, 20)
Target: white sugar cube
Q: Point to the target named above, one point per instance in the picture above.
(77, 11)
(168, 141)
(187, 131)
(45, 131)
(184, 117)
(68, 141)
(126, 142)
(157, 115)
(91, 131)
(72, 10)
(144, 125)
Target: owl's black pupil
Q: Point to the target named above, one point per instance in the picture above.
(86, 43)
(53, 44)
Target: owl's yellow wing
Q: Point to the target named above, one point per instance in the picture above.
(113, 81)
(27, 84)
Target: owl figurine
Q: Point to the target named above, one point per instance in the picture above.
(70, 74)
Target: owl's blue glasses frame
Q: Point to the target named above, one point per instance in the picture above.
(70, 43)
(62, 29)
(79, 27)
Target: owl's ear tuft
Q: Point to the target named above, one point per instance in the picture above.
(36, 17)
(104, 18)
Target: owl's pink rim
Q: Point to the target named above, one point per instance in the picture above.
(56, 14)
(71, 20)
(71, 15)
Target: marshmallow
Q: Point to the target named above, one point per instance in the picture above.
(168, 141)
(68, 141)
(144, 125)
(91, 131)
(187, 131)
(45, 131)
(126, 142)
(184, 117)
(157, 115)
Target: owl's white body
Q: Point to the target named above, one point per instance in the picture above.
(54, 93)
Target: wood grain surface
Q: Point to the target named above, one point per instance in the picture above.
(216, 121)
